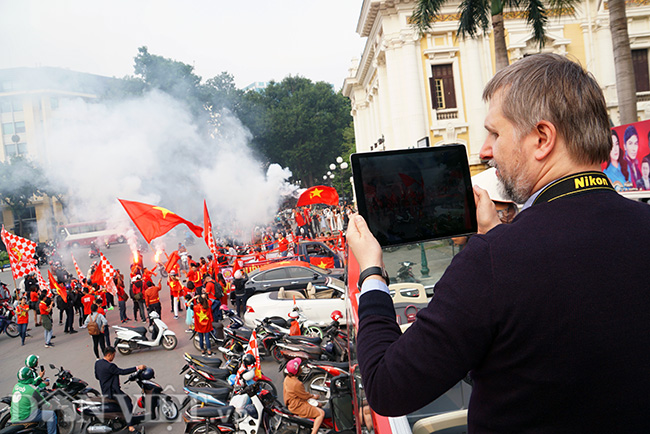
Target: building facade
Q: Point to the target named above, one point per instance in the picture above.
(410, 90)
(29, 98)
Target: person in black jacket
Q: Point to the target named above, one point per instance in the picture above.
(108, 375)
(549, 314)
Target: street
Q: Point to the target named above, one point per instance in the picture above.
(74, 352)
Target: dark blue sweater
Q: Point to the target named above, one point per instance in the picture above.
(551, 314)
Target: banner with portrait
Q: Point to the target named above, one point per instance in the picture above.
(628, 167)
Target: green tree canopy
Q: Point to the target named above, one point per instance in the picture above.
(299, 124)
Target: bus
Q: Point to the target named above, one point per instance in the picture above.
(448, 413)
(82, 234)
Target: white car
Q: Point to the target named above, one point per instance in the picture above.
(316, 302)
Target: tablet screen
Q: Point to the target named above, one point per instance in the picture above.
(413, 195)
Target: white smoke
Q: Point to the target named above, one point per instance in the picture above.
(149, 150)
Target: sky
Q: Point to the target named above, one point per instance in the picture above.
(254, 40)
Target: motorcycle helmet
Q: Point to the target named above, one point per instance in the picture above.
(248, 360)
(147, 374)
(293, 366)
(31, 361)
(329, 347)
(293, 314)
(336, 315)
(25, 374)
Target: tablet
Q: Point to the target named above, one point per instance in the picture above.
(413, 195)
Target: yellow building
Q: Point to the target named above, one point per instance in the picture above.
(409, 90)
(29, 98)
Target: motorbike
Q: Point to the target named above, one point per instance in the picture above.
(202, 375)
(94, 251)
(8, 326)
(248, 411)
(161, 269)
(185, 264)
(405, 272)
(104, 415)
(65, 389)
(333, 347)
(128, 338)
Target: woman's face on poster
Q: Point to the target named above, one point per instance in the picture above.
(632, 146)
(645, 169)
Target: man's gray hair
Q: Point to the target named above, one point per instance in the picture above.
(553, 88)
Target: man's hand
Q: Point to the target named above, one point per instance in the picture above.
(141, 367)
(486, 212)
(364, 245)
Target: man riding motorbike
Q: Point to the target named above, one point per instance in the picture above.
(26, 401)
(108, 375)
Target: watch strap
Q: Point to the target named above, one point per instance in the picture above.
(372, 271)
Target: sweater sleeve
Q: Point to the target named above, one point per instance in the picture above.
(404, 372)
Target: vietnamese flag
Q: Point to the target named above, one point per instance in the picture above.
(172, 261)
(207, 234)
(322, 261)
(155, 221)
(318, 194)
(98, 275)
(55, 285)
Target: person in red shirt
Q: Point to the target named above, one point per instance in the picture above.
(22, 318)
(213, 266)
(194, 276)
(175, 291)
(122, 296)
(152, 298)
(283, 245)
(33, 304)
(87, 300)
(203, 321)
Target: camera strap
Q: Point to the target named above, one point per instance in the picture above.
(582, 182)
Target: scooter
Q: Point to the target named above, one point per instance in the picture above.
(131, 338)
(185, 265)
(94, 251)
(247, 412)
(104, 415)
(65, 389)
(405, 272)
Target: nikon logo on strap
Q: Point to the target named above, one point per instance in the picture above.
(582, 182)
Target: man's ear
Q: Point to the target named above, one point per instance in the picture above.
(546, 135)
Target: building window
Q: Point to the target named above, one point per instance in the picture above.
(54, 103)
(29, 224)
(7, 106)
(8, 128)
(19, 127)
(14, 149)
(443, 92)
(640, 62)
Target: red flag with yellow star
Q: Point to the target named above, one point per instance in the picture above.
(319, 194)
(155, 221)
(322, 262)
(57, 287)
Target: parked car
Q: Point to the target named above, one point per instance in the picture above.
(316, 302)
(290, 275)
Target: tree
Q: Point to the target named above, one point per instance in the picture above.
(172, 77)
(21, 181)
(477, 15)
(625, 82)
(298, 124)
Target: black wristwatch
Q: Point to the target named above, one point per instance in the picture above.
(372, 271)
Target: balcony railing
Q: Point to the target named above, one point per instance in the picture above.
(447, 114)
